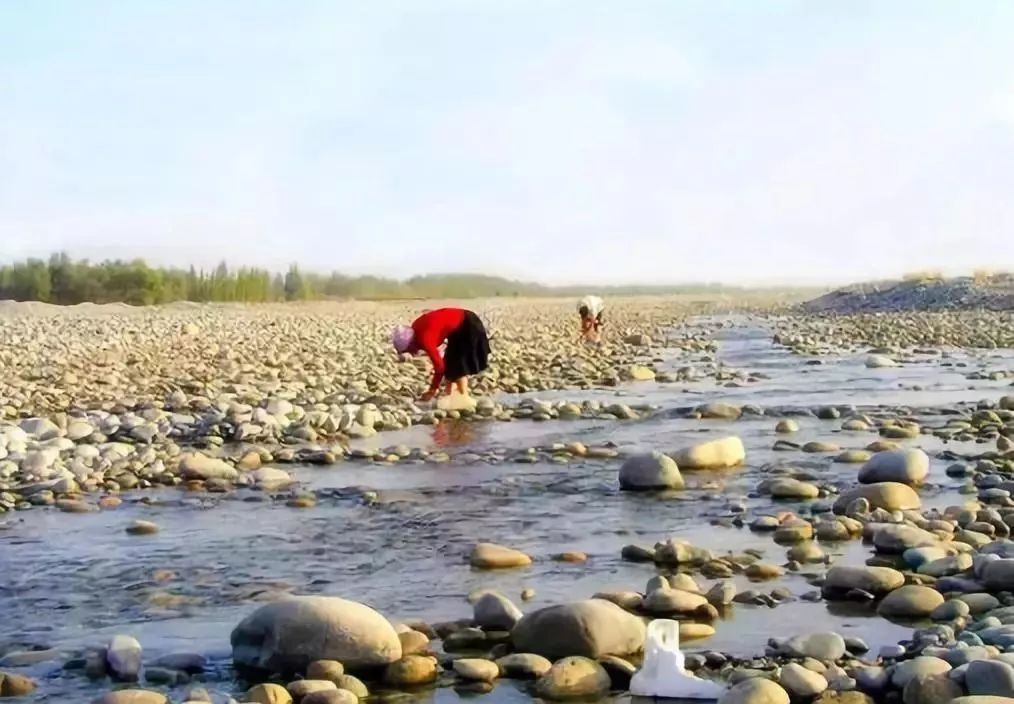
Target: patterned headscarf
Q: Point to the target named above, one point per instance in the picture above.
(402, 338)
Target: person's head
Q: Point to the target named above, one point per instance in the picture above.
(584, 312)
(402, 339)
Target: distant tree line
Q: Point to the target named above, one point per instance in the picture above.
(65, 281)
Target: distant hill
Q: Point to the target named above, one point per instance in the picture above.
(62, 280)
(915, 293)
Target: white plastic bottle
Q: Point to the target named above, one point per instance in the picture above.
(663, 673)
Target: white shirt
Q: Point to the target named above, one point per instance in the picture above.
(594, 305)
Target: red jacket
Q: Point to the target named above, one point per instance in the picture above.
(432, 330)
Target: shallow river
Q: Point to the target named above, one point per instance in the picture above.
(69, 580)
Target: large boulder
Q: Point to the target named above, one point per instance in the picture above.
(591, 628)
(878, 581)
(650, 471)
(286, 636)
(890, 496)
(909, 466)
(715, 454)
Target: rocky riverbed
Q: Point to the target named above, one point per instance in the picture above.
(823, 503)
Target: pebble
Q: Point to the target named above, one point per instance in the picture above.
(142, 528)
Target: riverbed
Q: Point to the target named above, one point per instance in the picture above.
(397, 536)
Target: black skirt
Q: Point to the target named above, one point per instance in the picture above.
(467, 350)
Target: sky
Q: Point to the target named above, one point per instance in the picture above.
(561, 141)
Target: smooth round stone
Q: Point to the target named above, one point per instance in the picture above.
(268, 694)
(808, 552)
(301, 688)
(793, 531)
(801, 682)
(330, 696)
(650, 471)
(411, 671)
(413, 642)
(695, 631)
(950, 610)
(820, 646)
(875, 580)
(909, 466)
(574, 677)
(921, 666)
(793, 489)
(916, 557)
(832, 531)
(330, 670)
(764, 523)
(853, 457)
(931, 689)
(523, 666)
(910, 601)
(142, 528)
(755, 690)
(477, 670)
(817, 446)
(354, 685)
(990, 677)
(492, 556)
(762, 571)
(980, 603)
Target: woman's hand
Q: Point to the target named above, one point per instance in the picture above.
(428, 396)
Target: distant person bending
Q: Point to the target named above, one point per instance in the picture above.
(467, 350)
(590, 308)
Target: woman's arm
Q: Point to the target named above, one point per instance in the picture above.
(432, 351)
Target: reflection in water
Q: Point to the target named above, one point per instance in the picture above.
(457, 433)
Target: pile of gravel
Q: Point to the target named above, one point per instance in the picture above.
(927, 295)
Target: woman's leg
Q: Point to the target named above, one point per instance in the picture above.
(462, 385)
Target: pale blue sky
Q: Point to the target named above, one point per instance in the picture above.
(561, 141)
